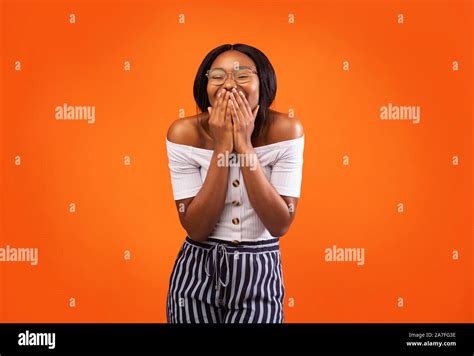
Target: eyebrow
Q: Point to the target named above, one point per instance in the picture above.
(240, 67)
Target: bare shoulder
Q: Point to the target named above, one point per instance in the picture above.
(283, 128)
(184, 131)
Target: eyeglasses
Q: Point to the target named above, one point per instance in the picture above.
(218, 76)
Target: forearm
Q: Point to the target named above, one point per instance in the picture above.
(266, 201)
(202, 214)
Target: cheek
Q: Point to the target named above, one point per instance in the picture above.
(210, 95)
(253, 94)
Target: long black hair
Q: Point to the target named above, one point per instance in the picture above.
(266, 77)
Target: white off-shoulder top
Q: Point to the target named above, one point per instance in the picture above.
(281, 162)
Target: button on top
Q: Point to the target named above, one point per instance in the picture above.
(235, 221)
(236, 203)
(236, 183)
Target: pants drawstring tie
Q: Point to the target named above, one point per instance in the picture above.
(219, 256)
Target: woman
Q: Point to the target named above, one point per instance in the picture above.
(236, 173)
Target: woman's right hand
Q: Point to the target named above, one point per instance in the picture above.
(220, 123)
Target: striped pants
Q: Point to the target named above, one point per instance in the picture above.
(217, 281)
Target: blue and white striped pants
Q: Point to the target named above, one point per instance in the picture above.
(217, 281)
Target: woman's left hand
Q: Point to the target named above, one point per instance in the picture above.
(243, 119)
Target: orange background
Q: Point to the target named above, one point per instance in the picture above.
(121, 207)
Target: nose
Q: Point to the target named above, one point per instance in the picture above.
(229, 83)
(229, 86)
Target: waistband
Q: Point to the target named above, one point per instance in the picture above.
(217, 260)
(241, 246)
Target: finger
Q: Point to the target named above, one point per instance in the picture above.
(242, 108)
(223, 106)
(219, 98)
(220, 101)
(246, 105)
(227, 112)
(238, 106)
(235, 116)
(255, 111)
(209, 109)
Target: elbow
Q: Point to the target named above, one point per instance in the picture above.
(196, 236)
(191, 231)
(280, 231)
